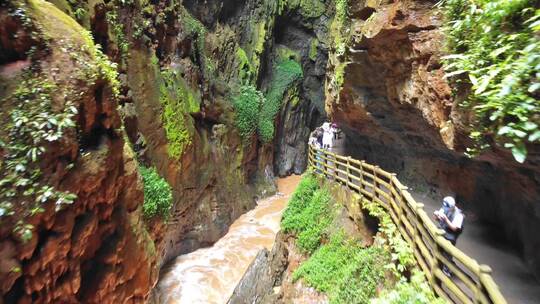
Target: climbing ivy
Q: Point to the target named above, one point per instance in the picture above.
(496, 51)
(285, 74)
(402, 254)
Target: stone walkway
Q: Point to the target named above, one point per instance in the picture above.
(483, 243)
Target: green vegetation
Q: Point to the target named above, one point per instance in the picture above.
(178, 100)
(245, 70)
(285, 74)
(284, 53)
(308, 8)
(196, 29)
(247, 105)
(341, 268)
(308, 214)
(339, 24)
(496, 51)
(313, 46)
(401, 253)
(341, 36)
(255, 112)
(157, 194)
(32, 127)
(416, 290)
(344, 270)
(339, 265)
(117, 31)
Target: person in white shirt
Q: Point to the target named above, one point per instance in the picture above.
(327, 136)
(450, 219)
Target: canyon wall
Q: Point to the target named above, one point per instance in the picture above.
(93, 90)
(386, 88)
(63, 139)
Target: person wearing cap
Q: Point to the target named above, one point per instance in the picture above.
(450, 219)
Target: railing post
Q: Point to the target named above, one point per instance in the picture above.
(362, 175)
(482, 270)
(435, 261)
(310, 149)
(418, 209)
(375, 183)
(349, 181)
(334, 170)
(326, 165)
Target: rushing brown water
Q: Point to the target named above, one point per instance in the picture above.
(209, 275)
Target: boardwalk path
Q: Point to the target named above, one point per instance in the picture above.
(480, 242)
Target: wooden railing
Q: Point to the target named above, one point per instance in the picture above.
(470, 283)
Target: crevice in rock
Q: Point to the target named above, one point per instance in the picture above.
(100, 27)
(364, 13)
(15, 41)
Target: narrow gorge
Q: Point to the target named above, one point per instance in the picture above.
(145, 138)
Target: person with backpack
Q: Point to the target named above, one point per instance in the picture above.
(450, 218)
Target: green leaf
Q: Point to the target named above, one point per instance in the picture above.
(535, 136)
(519, 152)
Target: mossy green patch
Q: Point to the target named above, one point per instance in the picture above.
(245, 70)
(308, 8)
(339, 265)
(178, 101)
(313, 49)
(284, 53)
(196, 29)
(285, 74)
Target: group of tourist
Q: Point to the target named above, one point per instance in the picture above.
(324, 136)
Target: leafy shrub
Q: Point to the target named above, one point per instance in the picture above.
(401, 253)
(308, 214)
(157, 194)
(496, 50)
(247, 107)
(415, 291)
(342, 269)
(285, 74)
